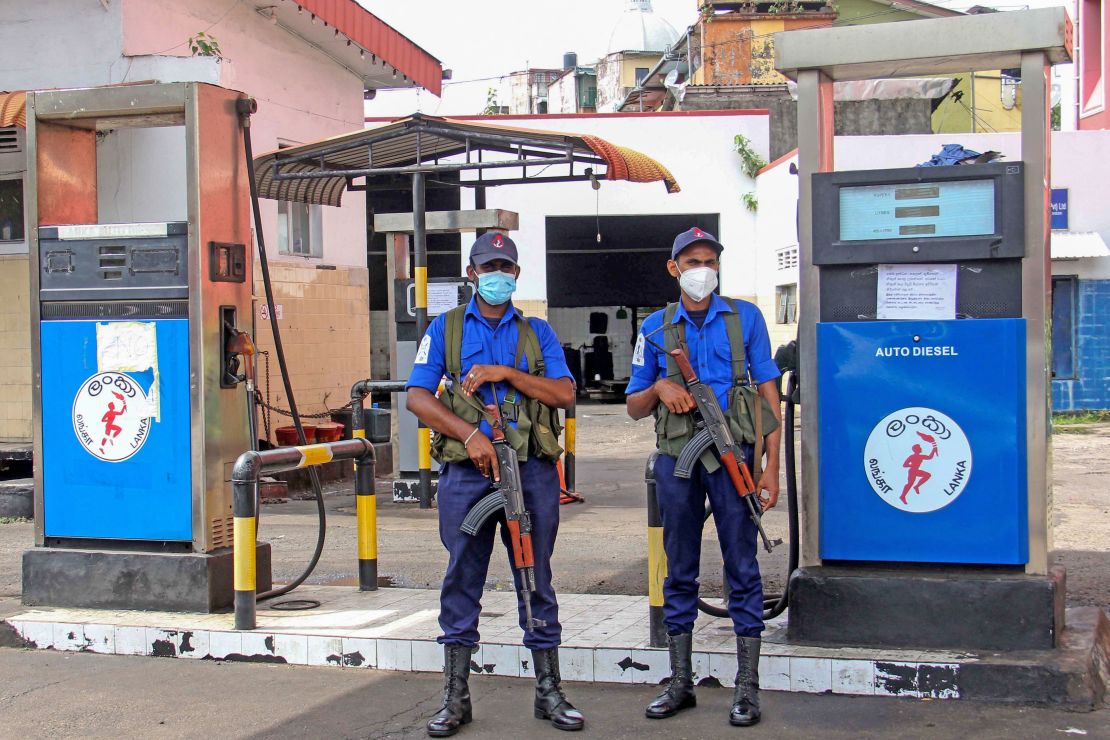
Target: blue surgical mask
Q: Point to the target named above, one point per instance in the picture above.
(496, 287)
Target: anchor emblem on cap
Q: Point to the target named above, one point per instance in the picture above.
(697, 232)
(498, 241)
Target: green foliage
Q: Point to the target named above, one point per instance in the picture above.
(204, 45)
(750, 201)
(14, 520)
(492, 108)
(1069, 418)
(1056, 117)
(750, 160)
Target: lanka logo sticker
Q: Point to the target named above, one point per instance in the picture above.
(917, 460)
(111, 416)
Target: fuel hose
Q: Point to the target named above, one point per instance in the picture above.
(245, 107)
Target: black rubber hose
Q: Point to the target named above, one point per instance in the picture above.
(775, 604)
(791, 497)
(245, 108)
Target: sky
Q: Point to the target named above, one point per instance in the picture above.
(481, 41)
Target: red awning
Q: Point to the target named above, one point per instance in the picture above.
(378, 37)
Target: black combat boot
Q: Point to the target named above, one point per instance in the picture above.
(456, 708)
(745, 700)
(679, 693)
(551, 704)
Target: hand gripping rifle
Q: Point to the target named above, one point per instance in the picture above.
(508, 495)
(712, 428)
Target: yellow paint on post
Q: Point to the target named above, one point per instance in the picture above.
(424, 460)
(570, 435)
(359, 434)
(244, 536)
(657, 566)
(366, 515)
(314, 455)
(420, 276)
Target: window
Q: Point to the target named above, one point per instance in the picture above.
(300, 229)
(786, 304)
(641, 74)
(1063, 327)
(11, 210)
(786, 258)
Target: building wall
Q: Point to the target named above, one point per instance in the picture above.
(1092, 351)
(698, 150)
(15, 350)
(739, 49)
(1094, 64)
(303, 95)
(562, 94)
(997, 105)
(616, 76)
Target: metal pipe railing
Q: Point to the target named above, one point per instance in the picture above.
(244, 481)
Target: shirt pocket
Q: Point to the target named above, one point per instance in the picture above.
(473, 352)
(720, 363)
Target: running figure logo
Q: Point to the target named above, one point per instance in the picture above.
(917, 476)
(111, 429)
(111, 416)
(917, 460)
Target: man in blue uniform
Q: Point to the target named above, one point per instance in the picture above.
(715, 330)
(483, 346)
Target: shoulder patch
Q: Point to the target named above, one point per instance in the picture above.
(422, 352)
(638, 352)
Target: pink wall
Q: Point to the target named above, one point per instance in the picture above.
(303, 94)
(1094, 65)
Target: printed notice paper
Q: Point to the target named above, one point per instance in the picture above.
(917, 292)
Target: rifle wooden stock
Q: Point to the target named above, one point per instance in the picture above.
(522, 545)
(684, 365)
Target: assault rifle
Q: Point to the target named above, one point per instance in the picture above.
(508, 495)
(712, 429)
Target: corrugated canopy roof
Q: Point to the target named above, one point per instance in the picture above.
(1075, 245)
(320, 172)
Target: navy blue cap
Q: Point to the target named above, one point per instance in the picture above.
(691, 236)
(493, 245)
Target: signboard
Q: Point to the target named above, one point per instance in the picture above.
(916, 292)
(1060, 208)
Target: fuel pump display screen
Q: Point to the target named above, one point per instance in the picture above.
(917, 210)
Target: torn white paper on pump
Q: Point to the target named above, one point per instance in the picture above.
(130, 347)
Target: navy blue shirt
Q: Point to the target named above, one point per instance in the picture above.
(708, 346)
(483, 344)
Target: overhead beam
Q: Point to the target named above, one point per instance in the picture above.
(926, 47)
(443, 222)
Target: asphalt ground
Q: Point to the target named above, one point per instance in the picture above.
(44, 694)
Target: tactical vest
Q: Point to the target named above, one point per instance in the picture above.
(673, 431)
(537, 426)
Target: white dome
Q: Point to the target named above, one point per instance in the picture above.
(639, 29)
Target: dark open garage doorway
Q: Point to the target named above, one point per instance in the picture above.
(599, 292)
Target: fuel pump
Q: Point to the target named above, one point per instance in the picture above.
(926, 480)
(136, 330)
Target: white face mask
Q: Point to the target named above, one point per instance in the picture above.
(698, 282)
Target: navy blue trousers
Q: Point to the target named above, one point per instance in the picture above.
(682, 506)
(460, 600)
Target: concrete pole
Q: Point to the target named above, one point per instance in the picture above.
(1036, 298)
(815, 154)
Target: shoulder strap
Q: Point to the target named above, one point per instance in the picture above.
(452, 340)
(736, 343)
(673, 336)
(528, 345)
